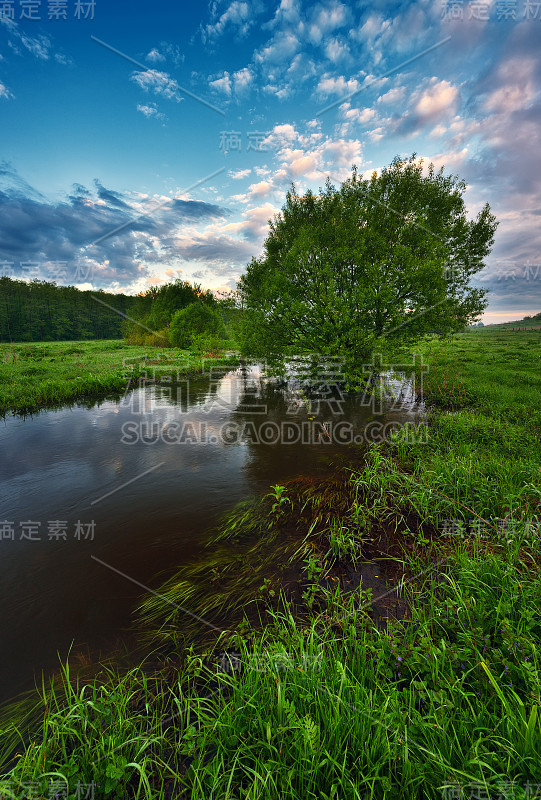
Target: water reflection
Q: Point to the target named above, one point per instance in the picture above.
(150, 495)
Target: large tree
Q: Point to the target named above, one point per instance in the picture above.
(389, 258)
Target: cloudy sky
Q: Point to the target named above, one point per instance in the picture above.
(144, 142)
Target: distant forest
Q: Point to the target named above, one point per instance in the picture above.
(41, 311)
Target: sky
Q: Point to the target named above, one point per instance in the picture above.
(144, 142)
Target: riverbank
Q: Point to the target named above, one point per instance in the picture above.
(40, 374)
(323, 701)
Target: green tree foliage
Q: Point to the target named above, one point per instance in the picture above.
(41, 311)
(193, 321)
(154, 309)
(380, 259)
(174, 296)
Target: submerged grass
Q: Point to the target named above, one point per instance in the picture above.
(250, 551)
(330, 708)
(324, 703)
(401, 713)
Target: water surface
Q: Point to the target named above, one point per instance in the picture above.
(137, 483)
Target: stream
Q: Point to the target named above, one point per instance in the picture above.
(102, 500)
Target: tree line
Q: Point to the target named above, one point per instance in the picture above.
(40, 311)
(174, 314)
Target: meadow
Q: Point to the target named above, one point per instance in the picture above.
(320, 701)
(38, 374)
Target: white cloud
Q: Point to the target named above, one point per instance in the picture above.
(440, 98)
(242, 80)
(327, 18)
(241, 173)
(39, 46)
(336, 86)
(154, 55)
(165, 51)
(300, 70)
(336, 50)
(279, 135)
(222, 84)
(342, 153)
(260, 189)
(304, 156)
(158, 82)
(438, 131)
(301, 164)
(60, 58)
(239, 15)
(376, 134)
(150, 110)
(517, 86)
(451, 160)
(5, 92)
(282, 47)
(255, 192)
(281, 94)
(392, 96)
(403, 32)
(214, 248)
(254, 224)
(238, 83)
(287, 13)
(358, 115)
(373, 26)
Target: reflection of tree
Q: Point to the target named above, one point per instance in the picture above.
(298, 400)
(264, 402)
(180, 394)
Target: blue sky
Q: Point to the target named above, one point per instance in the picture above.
(171, 133)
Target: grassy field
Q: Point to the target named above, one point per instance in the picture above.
(320, 702)
(51, 373)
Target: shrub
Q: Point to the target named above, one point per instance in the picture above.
(195, 320)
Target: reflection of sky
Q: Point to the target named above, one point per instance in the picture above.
(63, 459)
(58, 463)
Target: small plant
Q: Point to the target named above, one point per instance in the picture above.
(314, 572)
(343, 541)
(313, 568)
(266, 589)
(280, 499)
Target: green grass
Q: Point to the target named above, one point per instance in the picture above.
(332, 708)
(43, 374)
(486, 453)
(107, 735)
(339, 709)
(323, 704)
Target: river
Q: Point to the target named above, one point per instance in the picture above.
(101, 500)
